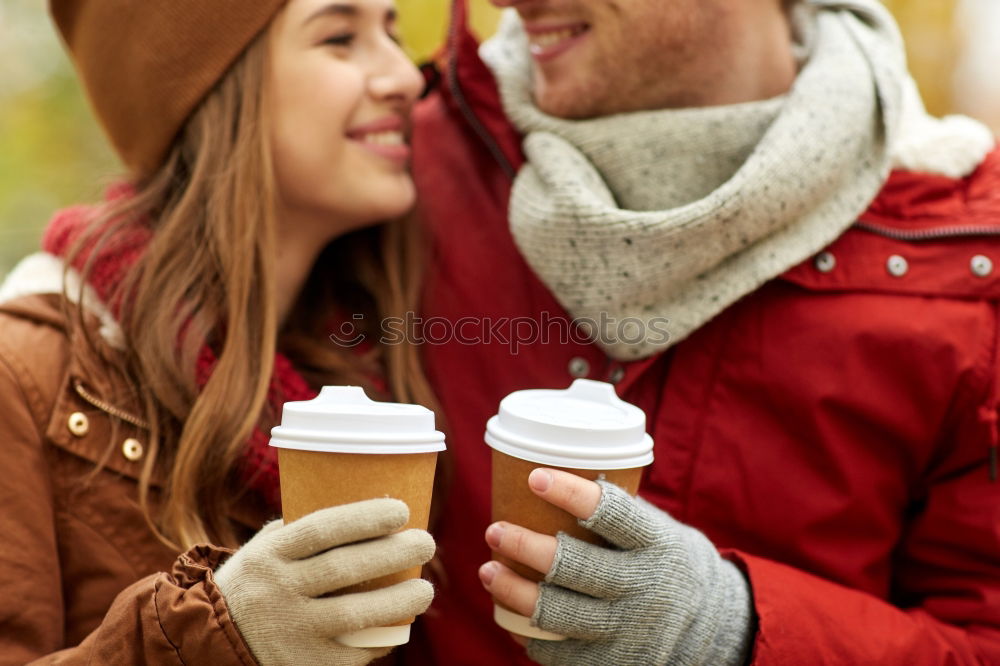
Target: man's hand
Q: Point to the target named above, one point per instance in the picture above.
(569, 492)
(658, 593)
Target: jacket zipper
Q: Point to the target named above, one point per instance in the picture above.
(469, 114)
(108, 408)
(928, 234)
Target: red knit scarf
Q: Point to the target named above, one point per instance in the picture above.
(259, 470)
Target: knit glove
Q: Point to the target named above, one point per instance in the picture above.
(661, 594)
(274, 585)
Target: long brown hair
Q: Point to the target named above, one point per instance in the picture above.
(207, 277)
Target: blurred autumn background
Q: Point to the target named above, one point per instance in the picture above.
(52, 152)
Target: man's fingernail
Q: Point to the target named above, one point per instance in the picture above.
(494, 533)
(487, 573)
(540, 480)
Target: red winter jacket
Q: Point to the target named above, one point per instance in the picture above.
(832, 433)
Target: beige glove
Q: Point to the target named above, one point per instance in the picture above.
(274, 584)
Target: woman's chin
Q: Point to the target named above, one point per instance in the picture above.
(397, 203)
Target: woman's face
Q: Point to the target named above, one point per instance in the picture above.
(340, 92)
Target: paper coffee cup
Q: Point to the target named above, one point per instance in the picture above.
(344, 447)
(586, 430)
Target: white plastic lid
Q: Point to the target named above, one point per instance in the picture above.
(586, 426)
(342, 419)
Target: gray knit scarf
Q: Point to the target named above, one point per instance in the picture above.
(646, 225)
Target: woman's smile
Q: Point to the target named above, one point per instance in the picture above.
(385, 137)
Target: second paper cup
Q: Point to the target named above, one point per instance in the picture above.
(586, 430)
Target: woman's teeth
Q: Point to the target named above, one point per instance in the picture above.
(384, 138)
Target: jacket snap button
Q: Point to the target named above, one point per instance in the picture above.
(78, 424)
(897, 266)
(132, 449)
(578, 367)
(981, 265)
(616, 375)
(825, 262)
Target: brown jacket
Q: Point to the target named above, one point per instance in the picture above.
(82, 577)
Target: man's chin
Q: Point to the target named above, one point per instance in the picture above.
(568, 104)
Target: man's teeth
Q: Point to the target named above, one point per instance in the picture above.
(546, 39)
(385, 138)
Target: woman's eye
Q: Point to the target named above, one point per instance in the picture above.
(340, 40)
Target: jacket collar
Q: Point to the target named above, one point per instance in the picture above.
(44, 273)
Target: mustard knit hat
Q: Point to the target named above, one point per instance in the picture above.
(146, 64)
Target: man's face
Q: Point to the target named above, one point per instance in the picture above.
(599, 57)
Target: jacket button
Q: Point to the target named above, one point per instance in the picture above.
(617, 374)
(981, 265)
(132, 449)
(578, 367)
(897, 266)
(78, 424)
(825, 262)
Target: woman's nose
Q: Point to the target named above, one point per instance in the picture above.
(397, 77)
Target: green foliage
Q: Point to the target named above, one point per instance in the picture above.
(51, 152)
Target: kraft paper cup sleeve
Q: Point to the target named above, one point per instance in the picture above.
(312, 480)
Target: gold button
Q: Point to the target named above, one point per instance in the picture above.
(78, 424)
(132, 449)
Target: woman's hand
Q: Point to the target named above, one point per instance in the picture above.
(274, 585)
(660, 593)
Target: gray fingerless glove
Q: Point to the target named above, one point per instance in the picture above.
(274, 585)
(660, 595)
